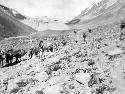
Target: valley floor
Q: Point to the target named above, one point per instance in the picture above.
(95, 65)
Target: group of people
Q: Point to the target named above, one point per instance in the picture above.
(47, 47)
(10, 57)
(40, 50)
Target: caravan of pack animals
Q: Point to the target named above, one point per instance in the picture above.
(11, 57)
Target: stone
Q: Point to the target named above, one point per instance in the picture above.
(56, 80)
(12, 84)
(115, 51)
(55, 89)
(42, 76)
(82, 77)
(37, 87)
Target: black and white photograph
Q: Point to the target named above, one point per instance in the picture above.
(62, 46)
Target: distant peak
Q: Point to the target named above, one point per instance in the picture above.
(44, 19)
(41, 19)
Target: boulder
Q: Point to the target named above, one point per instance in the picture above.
(42, 76)
(55, 89)
(37, 87)
(115, 51)
(12, 85)
(56, 80)
(82, 77)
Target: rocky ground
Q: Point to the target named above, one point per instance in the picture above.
(95, 65)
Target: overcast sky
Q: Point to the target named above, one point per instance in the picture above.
(63, 10)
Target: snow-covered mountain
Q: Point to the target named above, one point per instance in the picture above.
(97, 9)
(12, 12)
(103, 12)
(45, 23)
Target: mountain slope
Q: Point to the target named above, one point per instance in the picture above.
(104, 12)
(11, 27)
(12, 13)
(83, 67)
(39, 24)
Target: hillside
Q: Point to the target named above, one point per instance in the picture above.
(10, 27)
(13, 13)
(39, 24)
(83, 66)
(105, 12)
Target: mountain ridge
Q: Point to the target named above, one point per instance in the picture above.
(12, 12)
(101, 13)
(10, 26)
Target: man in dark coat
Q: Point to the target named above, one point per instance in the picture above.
(31, 53)
(84, 36)
(8, 57)
(35, 51)
(1, 59)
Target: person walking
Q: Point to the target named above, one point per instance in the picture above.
(1, 59)
(7, 56)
